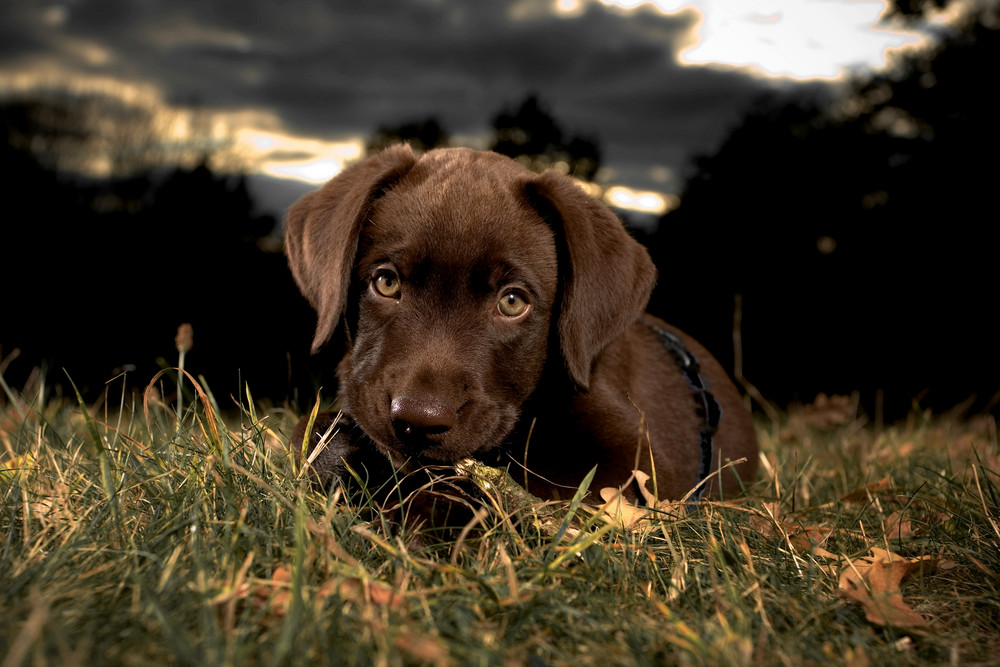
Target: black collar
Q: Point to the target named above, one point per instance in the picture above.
(708, 408)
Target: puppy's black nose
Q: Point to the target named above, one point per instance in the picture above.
(416, 420)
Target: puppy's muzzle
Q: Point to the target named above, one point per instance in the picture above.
(420, 423)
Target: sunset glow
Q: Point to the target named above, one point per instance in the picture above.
(795, 39)
(304, 159)
(655, 203)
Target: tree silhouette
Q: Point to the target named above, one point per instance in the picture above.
(101, 135)
(422, 135)
(856, 231)
(102, 271)
(531, 135)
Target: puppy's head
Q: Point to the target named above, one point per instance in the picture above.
(451, 273)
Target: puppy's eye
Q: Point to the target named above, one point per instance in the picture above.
(512, 304)
(386, 283)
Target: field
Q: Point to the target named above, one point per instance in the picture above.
(128, 536)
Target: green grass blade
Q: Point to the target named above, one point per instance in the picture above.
(98, 450)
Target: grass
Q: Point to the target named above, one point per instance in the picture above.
(129, 538)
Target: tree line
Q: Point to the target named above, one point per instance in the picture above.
(855, 233)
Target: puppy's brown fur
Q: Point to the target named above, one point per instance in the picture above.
(483, 302)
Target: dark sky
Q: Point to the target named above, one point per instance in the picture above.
(333, 70)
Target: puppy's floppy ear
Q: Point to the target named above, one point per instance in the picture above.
(322, 230)
(610, 275)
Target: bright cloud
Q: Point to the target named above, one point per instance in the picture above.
(642, 201)
(798, 39)
(304, 159)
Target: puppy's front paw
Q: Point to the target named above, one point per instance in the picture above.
(328, 431)
(333, 451)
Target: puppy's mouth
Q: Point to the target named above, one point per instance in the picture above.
(432, 445)
(404, 458)
(411, 454)
(428, 433)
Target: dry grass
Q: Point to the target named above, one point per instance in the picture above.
(127, 538)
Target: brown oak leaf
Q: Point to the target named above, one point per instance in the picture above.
(773, 521)
(898, 526)
(874, 582)
(867, 491)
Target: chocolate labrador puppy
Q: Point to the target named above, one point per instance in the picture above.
(495, 313)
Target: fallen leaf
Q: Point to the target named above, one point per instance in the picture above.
(867, 491)
(425, 649)
(767, 519)
(774, 522)
(647, 495)
(16, 468)
(898, 526)
(874, 582)
(617, 508)
(620, 510)
(374, 592)
(806, 538)
(912, 521)
(826, 553)
(274, 591)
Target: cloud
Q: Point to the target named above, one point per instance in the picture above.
(341, 67)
